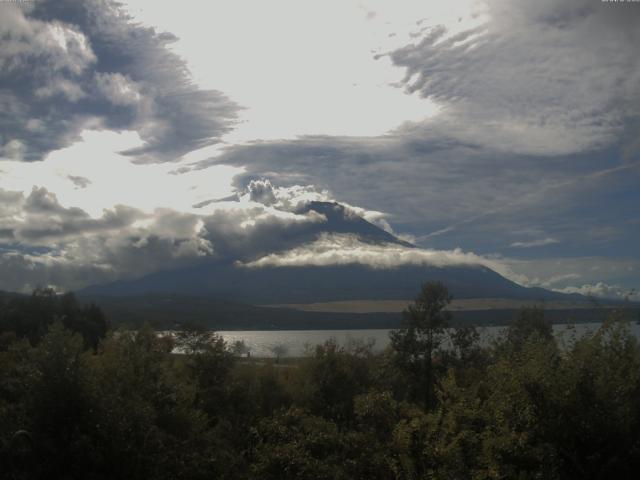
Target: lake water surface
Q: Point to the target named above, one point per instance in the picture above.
(298, 342)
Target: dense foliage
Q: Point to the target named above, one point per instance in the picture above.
(78, 401)
(31, 316)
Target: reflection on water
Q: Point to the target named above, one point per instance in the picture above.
(295, 343)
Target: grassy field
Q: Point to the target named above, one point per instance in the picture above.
(460, 305)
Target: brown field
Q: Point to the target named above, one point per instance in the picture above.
(394, 306)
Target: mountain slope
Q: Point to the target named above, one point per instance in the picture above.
(321, 284)
(342, 221)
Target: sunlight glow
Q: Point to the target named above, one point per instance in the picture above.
(300, 67)
(92, 175)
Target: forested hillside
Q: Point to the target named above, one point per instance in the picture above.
(80, 401)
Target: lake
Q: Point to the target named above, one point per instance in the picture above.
(297, 342)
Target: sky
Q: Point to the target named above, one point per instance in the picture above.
(146, 135)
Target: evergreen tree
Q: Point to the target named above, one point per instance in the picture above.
(419, 338)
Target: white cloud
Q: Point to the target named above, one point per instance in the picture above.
(559, 273)
(290, 198)
(534, 243)
(299, 67)
(337, 249)
(559, 279)
(118, 89)
(603, 290)
(51, 74)
(57, 46)
(551, 79)
(43, 242)
(111, 179)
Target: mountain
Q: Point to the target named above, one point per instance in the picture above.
(341, 220)
(278, 285)
(224, 280)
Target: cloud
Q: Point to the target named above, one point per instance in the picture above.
(60, 47)
(559, 278)
(45, 243)
(261, 191)
(78, 181)
(546, 79)
(534, 139)
(288, 198)
(559, 273)
(345, 249)
(66, 66)
(537, 110)
(603, 290)
(534, 243)
(246, 232)
(39, 218)
(24, 272)
(473, 197)
(92, 259)
(118, 89)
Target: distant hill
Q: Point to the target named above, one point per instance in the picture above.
(4, 296)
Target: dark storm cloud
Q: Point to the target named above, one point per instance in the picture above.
(68, 65)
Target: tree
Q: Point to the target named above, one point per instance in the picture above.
(419, 338)
(279, 350)
(194, 338)
(595, 415)
(60, 402)
(465, 342)
(530, 322)
(333, 377)
(30, 317)
(240, 348)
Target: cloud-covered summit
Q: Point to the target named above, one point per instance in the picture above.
(68, 65)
